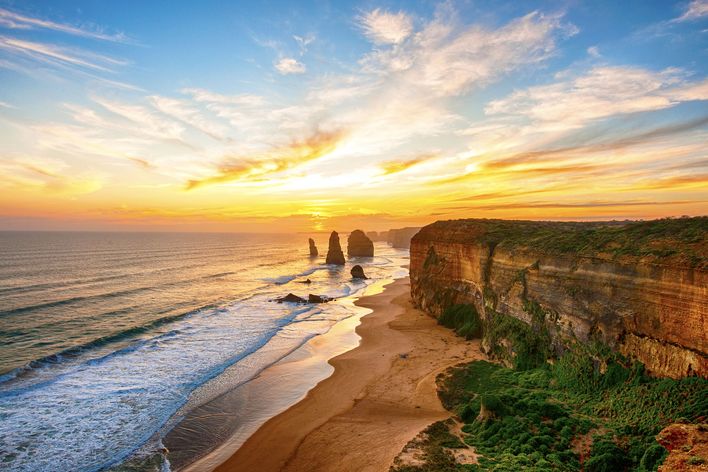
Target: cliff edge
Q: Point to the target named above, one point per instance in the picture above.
(640, 288)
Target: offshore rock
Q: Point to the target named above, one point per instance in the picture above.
(317, 299)
(334, 252)
(359, 245)
(313, 248)
(358, 272)
(291, 298)
(640, 288)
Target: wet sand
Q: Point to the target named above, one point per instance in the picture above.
(381, 394)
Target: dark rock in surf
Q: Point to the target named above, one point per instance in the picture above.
(358, 272)
(291, 298)
(317, 299)
(313, 248)
(359, 245)
(334, 253)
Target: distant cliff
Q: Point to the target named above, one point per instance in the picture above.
(639, 287)
(401, 237)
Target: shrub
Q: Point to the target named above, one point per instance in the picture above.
(652, 458)
(464, 319)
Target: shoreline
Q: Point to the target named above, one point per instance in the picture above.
(210, 433)
(381, 394)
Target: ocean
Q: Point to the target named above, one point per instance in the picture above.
(105, 337)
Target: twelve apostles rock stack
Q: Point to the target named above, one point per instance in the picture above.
(313, 248)
(334, 252)
(640, 288)
(359, 245)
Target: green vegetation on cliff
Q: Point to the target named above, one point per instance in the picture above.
(550, 418)
(463, 319)
(681, 242)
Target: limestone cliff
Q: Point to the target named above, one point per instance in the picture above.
(359, 245)
(639, 287)
(334, 251)
(401, 237)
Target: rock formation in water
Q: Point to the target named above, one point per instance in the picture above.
(401, 238)
(377, 236)
(358, 272)
(291, 298)
(639, 287)
(313, 248)
(334, 252)
(359, 245)
(317, 298)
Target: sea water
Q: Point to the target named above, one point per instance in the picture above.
(105, 336)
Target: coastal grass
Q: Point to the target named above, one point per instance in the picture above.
(463, 319)
(681, 241)
(549, 418)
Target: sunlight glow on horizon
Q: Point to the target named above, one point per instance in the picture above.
(347, 117)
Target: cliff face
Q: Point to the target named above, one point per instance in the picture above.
(359, 245)
(641, 288)
(401, 237)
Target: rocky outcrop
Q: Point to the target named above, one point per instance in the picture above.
(313, 248)
(401, 238)
(359, 245)
(317, 298)
(334, 252)
(358, 272)
(639, 287)
(687, 445)
(290, 298)
(377, 236)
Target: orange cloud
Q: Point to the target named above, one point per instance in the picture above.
(280, 159)
(394, 167)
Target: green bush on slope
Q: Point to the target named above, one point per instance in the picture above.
(463, 319)
(543, 415)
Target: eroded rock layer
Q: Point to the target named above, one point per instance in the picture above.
(401, 237)
(334, 251)
(639, 287)
(359, 245)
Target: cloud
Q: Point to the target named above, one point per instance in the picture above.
(183, 111)
(384, 27)
(288, 65)
(395, 167)
(582, 205)
(57, 55)
(449, 62)
(147, 122)
(699, 181)
(76, 141)
(304, 42)
(13, 20)
(695, 10)
(45, 175)
(594, 51)
(295, 153)
(599, 93)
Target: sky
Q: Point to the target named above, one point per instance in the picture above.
(274, 116)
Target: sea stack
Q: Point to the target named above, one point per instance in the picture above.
(359, 245)
(358, 272)
(313, 248)
(334, 252)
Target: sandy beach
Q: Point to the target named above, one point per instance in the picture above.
(381, 394)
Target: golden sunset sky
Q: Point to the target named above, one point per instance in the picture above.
(332, 115)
